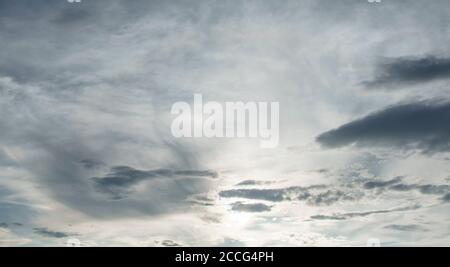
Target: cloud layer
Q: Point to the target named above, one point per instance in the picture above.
(85, 143)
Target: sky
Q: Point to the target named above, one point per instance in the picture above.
(86, 150)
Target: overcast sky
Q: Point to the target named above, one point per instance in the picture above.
(86, 150)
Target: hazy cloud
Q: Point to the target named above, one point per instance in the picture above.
(91, 163)
(346, 216)
(406, 227)
(256, 207)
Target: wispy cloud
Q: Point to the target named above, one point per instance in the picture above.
(406, 227)
(51, 234)
(346, 216)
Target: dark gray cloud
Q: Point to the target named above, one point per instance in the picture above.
(398, 71)
(317, 195)
(421, 126)
(254, 207)
(274, 195)
(52, 234)
(119, 181)
(396, 184)
(406, 227)
(170, 243)
(91, 163)
(346, 216)
(322, 195)
(446, 198)
(253, 182)
(433, 189)
(10, 225)
(201, 201)
(331, 197)
(382, 184)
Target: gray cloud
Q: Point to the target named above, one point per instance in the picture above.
(406, 227)
(52, 234)
(214, 218)
(91, 163)
(253, 182)
(11, 214)
(9, 225)
(119, 181)
(333, 196)
(322, 195)
(256, 207)
(274, 195)
(382, 184)
(446, 198)
(5, 160)
(346, 216)
(398, 71)
(201, 201)
(397, 185)
(433, 189)
(419, 126)
(317, 195)
(170, 243)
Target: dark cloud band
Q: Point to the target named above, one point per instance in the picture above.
(423, 126)
(346, 216)
(51, 234)
(257, 207)
(119, 181)
(394, 72)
